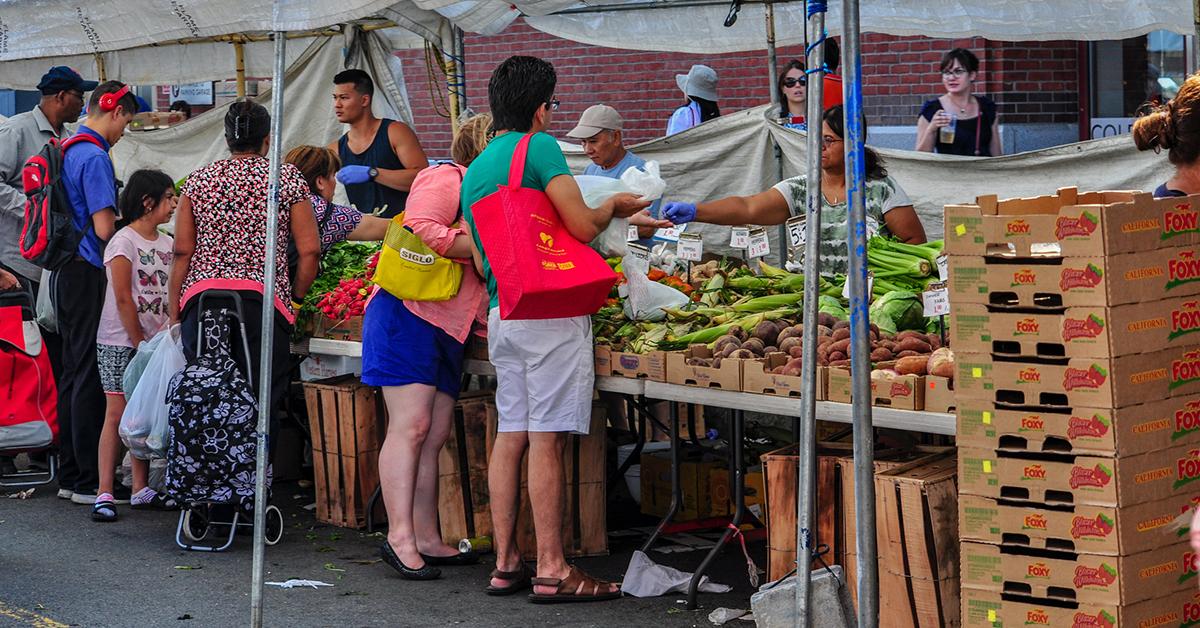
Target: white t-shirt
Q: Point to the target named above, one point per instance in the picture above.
(151, 261)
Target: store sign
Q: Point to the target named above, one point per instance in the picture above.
(193, 93)
(1109, 127)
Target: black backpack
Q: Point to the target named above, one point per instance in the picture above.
(49, 237)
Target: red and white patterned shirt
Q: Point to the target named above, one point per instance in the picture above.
(229, 203)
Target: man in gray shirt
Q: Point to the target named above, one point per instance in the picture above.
(21, 137)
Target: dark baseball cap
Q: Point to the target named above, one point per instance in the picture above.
(60, 78)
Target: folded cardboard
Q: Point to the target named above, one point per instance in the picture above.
(939, 394)
(755, 497)
(1074, 480)
(603, 361)
(1077, 332)
(1087, 382)
(349, 330)
(1071, 223)
(694, 470)
(1076, 281)
(727, 376)
(989, 609)
(651, 366)
(757, 378)
(1106, 530)
(1095, 431)
(902, 392)
(1081, 578)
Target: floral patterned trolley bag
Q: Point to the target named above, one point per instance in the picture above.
(212, 424)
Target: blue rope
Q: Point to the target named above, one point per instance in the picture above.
(813, 46)
(816, 6)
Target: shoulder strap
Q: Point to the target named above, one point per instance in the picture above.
(79, 137)
(516, 171)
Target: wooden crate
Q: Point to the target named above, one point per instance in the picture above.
(917, 510)
(462, 471)
(343, 418)
(780, 471)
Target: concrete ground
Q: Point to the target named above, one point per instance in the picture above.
(59, 568)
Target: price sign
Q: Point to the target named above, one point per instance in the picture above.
(943, 265)
(690, 247)
(739, 237)
(797, 233)
(870, 287)
(631, 234)
(639, 252)
(937, 299)
(669, 234)
(760, 246)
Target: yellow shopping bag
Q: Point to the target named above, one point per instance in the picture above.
(408, 269)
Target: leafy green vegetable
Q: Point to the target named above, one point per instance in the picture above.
(903, 309)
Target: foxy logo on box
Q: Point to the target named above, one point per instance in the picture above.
(1027, 327)
(1183, 269)
(1029, 376)
(1185, 370)
(1037, 570)
(1189, 567)
(1024, 277)
(1185, 320)
(1016, 227)
(1037, 617)
(1034, 522)
(1032, 423)
(1187, 420)
(1066, 227)
(1033, 472)
(1187, 469)
(1180, 220)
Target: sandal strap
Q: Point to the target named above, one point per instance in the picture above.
(511, 575)
(576, 583)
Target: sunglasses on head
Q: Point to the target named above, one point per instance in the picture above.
(792, 82)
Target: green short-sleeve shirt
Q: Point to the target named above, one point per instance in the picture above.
(544, 161)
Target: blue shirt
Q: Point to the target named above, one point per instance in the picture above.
(91, 188)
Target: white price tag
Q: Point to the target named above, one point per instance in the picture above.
(690, 247)
(870, 287)
(936, 299)
(797, 232)
(669, 234)
(943, 264)
(739, 237)
(639, 251)
(760, 246)
(631, 234)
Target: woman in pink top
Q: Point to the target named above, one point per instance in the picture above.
(414, 350)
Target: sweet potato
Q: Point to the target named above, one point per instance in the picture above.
(914, 365)
(793, 367)
(881, 355)
(716, 362)
(826, 319)
(786, 344)
(913, 344)
(841, 325)
(777, 370)
(840, 346)
(837, 356)
(908, 333)
(824, 331)
(906, 354)
(890, 345)
(797, 351)
(769, 350)
(841, 333)
(794, 331)
(935, 341)
(839, 363)
(941, 363)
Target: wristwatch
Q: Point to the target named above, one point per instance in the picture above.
(372, 173)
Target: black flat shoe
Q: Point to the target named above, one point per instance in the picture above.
(460, 559)
(427, 572)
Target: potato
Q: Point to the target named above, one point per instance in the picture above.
(716, 362)
(794, 331)
(743, 354)
(826, 319)
(770, 350)
(913, 344)
(766, 332)
(824, 331)
(739, 333)
(755, 345)
(941, 363)
(841, 333)
(798, 351)
(914, 365)
(837, 356)
(881, 355)
(729, 350)
(786, 344)
(841, 324)
(725, 341)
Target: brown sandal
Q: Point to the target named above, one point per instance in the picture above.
(576, 587)
(521, 579)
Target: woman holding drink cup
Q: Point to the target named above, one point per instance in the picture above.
(959, 122)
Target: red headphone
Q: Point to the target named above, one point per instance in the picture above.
(108, 102)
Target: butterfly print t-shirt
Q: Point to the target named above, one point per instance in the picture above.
(151, 261)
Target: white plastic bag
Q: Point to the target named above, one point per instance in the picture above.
(47, 318)
(647, 184)
(647, 298)
(143, 425)
(137, 364)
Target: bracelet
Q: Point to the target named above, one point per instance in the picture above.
(296, 305)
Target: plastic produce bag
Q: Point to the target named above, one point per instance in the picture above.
(647, 298)
(143, 425)
(47, 318)
(647, 184)
(137, 364)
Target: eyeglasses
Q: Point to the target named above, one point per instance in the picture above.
(553, 104)
(955, 73)
(792, 82)
(829, 140)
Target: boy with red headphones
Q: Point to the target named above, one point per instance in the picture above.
(91, 187)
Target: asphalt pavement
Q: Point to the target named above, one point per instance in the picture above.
(58, 568)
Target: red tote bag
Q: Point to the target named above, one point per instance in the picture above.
(541, 270)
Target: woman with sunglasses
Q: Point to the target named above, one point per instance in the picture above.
(959, 122)
(793, 88)
(889, 212)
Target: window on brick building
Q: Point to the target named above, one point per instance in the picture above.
(1129, 75)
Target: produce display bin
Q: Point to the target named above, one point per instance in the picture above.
(346, 422)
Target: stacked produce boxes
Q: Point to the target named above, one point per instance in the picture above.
(1078, 399)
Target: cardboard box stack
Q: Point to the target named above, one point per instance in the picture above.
(1078, 400)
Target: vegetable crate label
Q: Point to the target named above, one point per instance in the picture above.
(1092, 332)
(985, 609)
(1117, 580)
(902, 392)
(695, 367)
(651, 366)
(1090, 382)
(1071, 224)
(1105, 530)
(1052, 283)
(1081, 479)
(1103, 432)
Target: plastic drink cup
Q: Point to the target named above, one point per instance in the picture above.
(946, 133)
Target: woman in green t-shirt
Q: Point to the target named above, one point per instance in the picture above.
(889, 211)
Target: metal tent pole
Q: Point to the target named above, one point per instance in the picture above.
(268, 328)
(772, 77)
(860, 345)
(460, 53)
(807, 449)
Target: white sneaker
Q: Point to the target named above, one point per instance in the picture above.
(65, 493)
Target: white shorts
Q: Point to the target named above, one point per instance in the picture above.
(545, 373)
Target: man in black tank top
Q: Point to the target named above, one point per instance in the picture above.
(380, 157)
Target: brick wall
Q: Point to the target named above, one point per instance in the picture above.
(1033, 82)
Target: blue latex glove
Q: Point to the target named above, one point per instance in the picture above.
(350, 175)
(679, 212)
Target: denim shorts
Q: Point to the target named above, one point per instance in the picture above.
(401, 348)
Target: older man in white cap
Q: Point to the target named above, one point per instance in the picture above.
(699, 85)
(599, 132)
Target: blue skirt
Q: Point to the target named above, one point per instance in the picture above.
(401, 348)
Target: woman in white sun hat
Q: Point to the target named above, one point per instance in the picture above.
(699, 85)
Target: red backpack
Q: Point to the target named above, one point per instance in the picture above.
(28, 396)
(49, 237)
